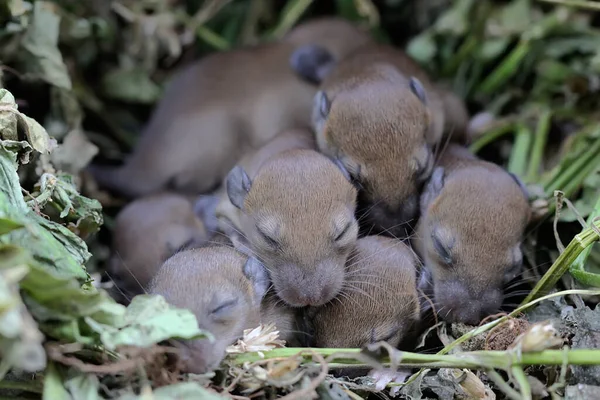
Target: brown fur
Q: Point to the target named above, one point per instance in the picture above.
(202, 280)
(299, 202)
(379, 300)
(380, 128)
(147, 232)
(216, 109)
(478, 213)
(228, 215)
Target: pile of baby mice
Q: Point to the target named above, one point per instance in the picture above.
(320, 183)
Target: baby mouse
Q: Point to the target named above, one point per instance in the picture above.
(474, 215)
(227, 215)
(378, 114)
(224, 289)
(216, 109)
(296, 214)
(147, 232)
(379, 300)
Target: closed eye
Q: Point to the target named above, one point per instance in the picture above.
(270, 241)
(224, 306)
(342, 233)
(442, 251)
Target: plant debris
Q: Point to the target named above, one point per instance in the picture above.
(79, 79)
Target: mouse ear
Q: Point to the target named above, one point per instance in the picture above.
(521, 185)
(258, 275)
(238, 186)
(312, 62)
(417, 88)
(433, 187)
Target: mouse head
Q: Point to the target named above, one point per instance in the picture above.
(222, 288)
(376, 125)
(298, 217)
(147, 232)
(471, 231)
(379, 301)
(336, 36)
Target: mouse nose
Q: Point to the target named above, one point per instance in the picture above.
(467, 308)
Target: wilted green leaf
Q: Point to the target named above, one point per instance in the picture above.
(130, 85)
(83, 386)
(20, 339)
(422, 48)
(149, 319)
(53, 385)
(8, 225)
(74, 153)
(515, 17)
(185, 390)
(455, 20)
(40, 54)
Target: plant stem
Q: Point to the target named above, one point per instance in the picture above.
(508, 67)
(521, 379)
(539, 144)
(591, 5)
(212, 38)
(577, 269)
(518, 156)
(492, 136)
(502, 384)
(580, 242)
(291, 13)
(571, 172)
(473, 360)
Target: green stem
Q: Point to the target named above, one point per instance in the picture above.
(463, 52)
(290, 15)
(508, 68)
(539, 144)
(590, 5)
(524, 386)
(580, 242)
(577, 269)
(492, 136)
(518, 156)
(502, 384)
(474, 360)
(212, 38)
(568, 175)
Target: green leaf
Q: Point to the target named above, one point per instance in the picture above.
(130, 85)
(40, 53)
(83, 386)
(149, 319)
(53, 385)
(422, 48)
(185, 390)
(8, 225)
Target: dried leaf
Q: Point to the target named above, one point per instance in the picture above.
(130, 85)
(40, 54)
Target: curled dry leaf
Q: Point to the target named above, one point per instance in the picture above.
(539, 337)
(259, 339)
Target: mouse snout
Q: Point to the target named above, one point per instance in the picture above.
(394, 220)
(457, 302)
(201, 356)
(300, 287)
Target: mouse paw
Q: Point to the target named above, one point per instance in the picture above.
(384, 376)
